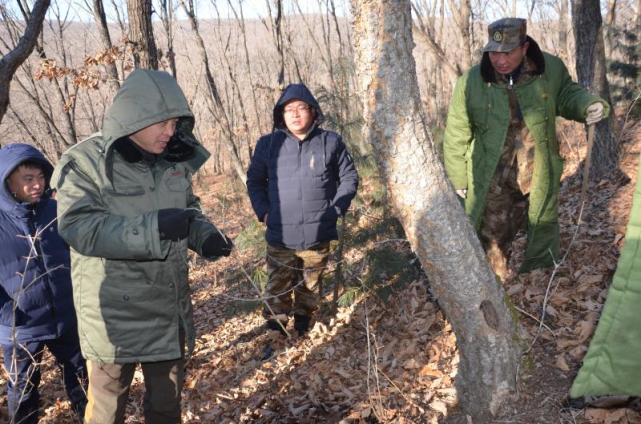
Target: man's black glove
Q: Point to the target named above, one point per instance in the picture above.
(217, 245)
(173, 223)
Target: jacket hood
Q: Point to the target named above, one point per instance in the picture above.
(296, 92)
(11, 157)
(534, 53)
(146, 98)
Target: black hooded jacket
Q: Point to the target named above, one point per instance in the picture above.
(303, 185)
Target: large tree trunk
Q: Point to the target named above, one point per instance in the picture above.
(12, 60)
(429, 210)
(591, 73)
(141, 34)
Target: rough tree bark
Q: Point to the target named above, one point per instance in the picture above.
(591, 73)
(12, 60)
(141, 34)
(429, 210)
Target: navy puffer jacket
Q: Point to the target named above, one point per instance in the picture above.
(34, 277)
(303, 185)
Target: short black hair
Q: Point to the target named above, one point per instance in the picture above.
(31, 164)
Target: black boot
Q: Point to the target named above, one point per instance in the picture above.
(301, 324)
(273, 324)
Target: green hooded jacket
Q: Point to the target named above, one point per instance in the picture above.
(477, 125)
(130, 288)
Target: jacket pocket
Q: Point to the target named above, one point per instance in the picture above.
(536, 120)
(126, 191)
(177, 183)
(478, 118)
(127, 200)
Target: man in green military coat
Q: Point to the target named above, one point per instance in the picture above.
(500, 149)
(126, 208)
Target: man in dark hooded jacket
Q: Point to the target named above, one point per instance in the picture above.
(35, 285)
(300, 180)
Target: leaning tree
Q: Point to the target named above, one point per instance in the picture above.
(429, 210)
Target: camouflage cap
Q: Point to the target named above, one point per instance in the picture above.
(505, 34)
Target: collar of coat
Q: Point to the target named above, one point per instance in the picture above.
(176, 151)
(534, 54)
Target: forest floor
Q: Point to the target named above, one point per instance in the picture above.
(387, 353)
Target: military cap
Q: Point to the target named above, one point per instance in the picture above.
(505, 34)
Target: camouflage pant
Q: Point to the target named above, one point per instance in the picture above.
(505, 214)
(301, 270)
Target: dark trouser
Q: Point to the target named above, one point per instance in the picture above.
(299, 271)
(505, 215)
(22, 363)
(109, 389)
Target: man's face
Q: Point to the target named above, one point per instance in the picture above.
(154, 138)
(299, 117)
(506, 63)
(27, 183)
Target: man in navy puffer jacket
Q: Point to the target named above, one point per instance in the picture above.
(300, 180)
(36, 302)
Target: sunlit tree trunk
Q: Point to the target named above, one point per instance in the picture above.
(141, 34)
(591, 73)
(429, 210)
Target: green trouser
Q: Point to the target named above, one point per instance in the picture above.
(297, 271)
(109, 389)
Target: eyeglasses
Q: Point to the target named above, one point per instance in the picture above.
(294, 109)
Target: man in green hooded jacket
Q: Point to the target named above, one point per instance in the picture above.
(500, 149)
(126, 208)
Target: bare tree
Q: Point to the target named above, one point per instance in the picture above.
(13, 59)
(425, 26)
(610, 22)
(105, 37)
(591, 73)
(214, 100)
(276, 24)
(167, 19)
(240, 19)
(563, 30)
(435, 224)
(141, 34)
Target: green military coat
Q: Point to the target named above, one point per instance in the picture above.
(130, 288)
(612, 365)
(477, 125)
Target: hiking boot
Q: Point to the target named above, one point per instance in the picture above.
(276, 325)
(301, 324)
